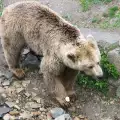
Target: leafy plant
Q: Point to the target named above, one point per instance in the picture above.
(85, 4)
(100, 85)
(108, 68)
(95, 20)
(89, 82)
(112, 11)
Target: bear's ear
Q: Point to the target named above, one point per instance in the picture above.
(71, 56)
(91, 40)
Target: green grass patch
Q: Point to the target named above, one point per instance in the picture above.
(110, 19)
(112, 11)
(86, 4)
(100, 85)
(96, 20)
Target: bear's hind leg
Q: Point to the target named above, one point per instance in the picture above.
(12, 50)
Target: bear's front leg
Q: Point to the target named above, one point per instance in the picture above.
(69, 77)
(51, 69)
(56, 88)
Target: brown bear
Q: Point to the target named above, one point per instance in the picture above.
(66, 51)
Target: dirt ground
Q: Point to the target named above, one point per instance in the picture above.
(90, 103)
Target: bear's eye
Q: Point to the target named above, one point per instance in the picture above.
(71, 57)
(77, 43)
(91, 67)
(98, 63)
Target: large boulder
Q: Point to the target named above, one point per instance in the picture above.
(114, 57)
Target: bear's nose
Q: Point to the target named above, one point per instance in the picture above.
(100, 77)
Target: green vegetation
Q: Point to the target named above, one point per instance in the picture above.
(1, 7)
(95, 20)
(86, 4)
(112, 11)
(100, 85)
(110, 19)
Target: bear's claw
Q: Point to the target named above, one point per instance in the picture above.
(73, 97)
(64, 104)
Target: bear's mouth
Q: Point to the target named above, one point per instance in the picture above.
(97, 78)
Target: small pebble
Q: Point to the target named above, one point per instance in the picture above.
(37, 113)
(42, 109)
(17, 107)
(76, 118)
(14, 113)
(64, 117)
(6, 83)
(10, 104)
(55, 112)
(6, 117)
(67, 99)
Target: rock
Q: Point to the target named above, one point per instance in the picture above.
(19, 90)
(37, 99)
(14, 113)
(118, 92)
(26, 83)
(17, 107)
(43, 110)
(27, 94)
(6, 117)
(49, 116)
(25, 51)
(2, 90)
(55, 112)
(103, 44)
(8, 74)
(4, 95)
(17, 84)
(10, 104)
(114, 83)
(34, 94)
(11, 91)
(3, 110)
(25, 115)
(35, 88)
(64, 117)
(6, 82)
(30, 62)
(114, 57)
(76, 118)
(17, 101)
(37, 113)
(1, 80)
(2, 100)
(32, 105)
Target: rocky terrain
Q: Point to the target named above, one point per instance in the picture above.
(28, 100)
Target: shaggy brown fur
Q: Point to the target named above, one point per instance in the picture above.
(47, 34)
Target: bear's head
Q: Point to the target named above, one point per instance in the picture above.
(83, 55)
